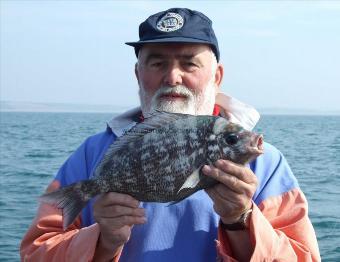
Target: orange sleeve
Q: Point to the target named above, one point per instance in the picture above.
(280, 230)
(45, 239)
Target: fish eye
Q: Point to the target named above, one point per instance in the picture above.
(232, 139)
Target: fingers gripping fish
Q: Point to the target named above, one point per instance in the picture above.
(160, 160)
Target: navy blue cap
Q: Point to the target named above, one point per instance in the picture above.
(177, 25)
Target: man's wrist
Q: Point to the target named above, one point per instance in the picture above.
(106, 252)
(241, 223)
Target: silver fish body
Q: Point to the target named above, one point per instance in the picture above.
(160, 160)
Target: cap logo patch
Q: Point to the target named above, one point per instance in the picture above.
(170, 22)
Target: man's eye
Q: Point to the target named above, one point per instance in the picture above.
(191, 64)
(156, 64)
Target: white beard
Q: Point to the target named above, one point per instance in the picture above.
(195, 103)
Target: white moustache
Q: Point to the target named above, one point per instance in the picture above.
(178, 90)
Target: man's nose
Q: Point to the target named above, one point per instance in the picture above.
(173, 76)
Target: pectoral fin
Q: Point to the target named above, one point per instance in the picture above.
(192, 181)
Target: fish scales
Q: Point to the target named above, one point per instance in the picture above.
(160, 160)
(167, 152)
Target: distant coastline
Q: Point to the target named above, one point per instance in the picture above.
(14, 106)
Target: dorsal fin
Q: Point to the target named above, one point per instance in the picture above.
(159, 119)
(156, 120)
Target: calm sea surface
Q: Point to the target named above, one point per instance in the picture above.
(34, 145)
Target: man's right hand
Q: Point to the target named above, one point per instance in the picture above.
(115, 214)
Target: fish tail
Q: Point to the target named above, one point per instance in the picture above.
(71, 199)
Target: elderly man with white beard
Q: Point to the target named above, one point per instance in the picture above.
(256, 212)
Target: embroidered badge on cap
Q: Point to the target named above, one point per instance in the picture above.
(170, 22)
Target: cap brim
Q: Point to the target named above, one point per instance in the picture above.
(169, 40)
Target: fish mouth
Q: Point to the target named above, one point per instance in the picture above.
(257, 145)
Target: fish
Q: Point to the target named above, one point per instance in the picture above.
(161, 160)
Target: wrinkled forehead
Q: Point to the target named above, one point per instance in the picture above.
(169, 50)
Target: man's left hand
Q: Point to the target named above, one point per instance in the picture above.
(233, 195)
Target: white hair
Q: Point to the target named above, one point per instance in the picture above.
(214, 60)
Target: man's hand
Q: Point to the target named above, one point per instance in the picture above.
(116, 214)
(233, 195)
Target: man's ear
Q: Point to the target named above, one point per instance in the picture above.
(218, 76)
(136, 72)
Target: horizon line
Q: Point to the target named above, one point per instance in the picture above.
(64, 107)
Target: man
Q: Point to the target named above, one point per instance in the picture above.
(256, 213)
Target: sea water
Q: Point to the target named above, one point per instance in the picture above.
(33, 146)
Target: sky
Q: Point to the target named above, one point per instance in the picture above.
(276, 54)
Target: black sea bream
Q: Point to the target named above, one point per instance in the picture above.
(160, 160)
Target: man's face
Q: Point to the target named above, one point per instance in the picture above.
(178, 78)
